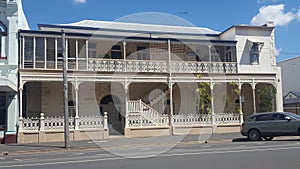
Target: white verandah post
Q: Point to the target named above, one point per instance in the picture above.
(171, 116)
(124, 56)
(76, 87)
(212, 103)
(240, 102)
(21, 108)
(253, 95)
(126, 103)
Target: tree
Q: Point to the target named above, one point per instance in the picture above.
(205, 96)
(266, 98)
(232, 98)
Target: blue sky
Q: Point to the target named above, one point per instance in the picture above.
(214, 14)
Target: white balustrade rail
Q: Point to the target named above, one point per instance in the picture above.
(227, 118)
(156, 66)
(137, 117)
(30, 124)
(138, 120)
(198, 119)
(56, 123)
(192, 119)
(141, 114)
(91, 122)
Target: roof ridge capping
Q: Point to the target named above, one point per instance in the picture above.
(139, 27)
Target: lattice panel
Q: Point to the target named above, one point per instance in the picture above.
(159, 50)
(178, 50)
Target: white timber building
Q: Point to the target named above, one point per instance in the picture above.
(146, 77)
(131, 79)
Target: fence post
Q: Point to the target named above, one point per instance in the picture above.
(241, 118)
(105, 123)
(42, 122)
(141, 110)
(21, 124)
(76, 122)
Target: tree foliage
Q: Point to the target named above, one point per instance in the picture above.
(205, 96)
(266, 98)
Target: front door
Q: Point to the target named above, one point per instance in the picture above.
(112, 106)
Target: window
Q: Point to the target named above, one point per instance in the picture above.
(265, 117)
(191, 56)
(28, 49)
(254, 54)
(3, 30)
(142, 53)
(228, 54)
(39, 52)
(50, 49)
(279, 117)
(92, 49)
(116, 52)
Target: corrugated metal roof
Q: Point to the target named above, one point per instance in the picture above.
(142, 27)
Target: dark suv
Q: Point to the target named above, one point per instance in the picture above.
(271, 124)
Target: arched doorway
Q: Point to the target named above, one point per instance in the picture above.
(112, 105)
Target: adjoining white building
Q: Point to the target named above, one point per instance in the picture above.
(11, 20)
(290, 84)
(144, 76)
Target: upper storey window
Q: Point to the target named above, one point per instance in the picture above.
(3, 33)
(254, 54)
(255, 49)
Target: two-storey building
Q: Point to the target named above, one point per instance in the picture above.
(11, 20)
(150, 79)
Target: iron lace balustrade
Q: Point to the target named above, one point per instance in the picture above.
(144, 66)
(155, 66)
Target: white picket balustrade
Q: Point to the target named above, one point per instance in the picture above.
(91, 122)
(30, 124)
(138, 120)
(56, 123)
(227, 118)
(192, 119)
(141, 114)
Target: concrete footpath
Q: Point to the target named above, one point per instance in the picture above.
(117, 142)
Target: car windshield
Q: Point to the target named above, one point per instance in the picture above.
(295, 116)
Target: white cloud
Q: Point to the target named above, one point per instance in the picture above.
(80, 1)
(277, 52)
(273, 13)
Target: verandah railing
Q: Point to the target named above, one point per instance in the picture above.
(156, 66)
(148, 66)
(56, 123)
(135, 119)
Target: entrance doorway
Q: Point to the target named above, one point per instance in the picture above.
(112, 105)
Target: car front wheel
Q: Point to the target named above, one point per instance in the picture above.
(254, 135)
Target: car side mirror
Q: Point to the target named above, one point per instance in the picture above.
(287, 118)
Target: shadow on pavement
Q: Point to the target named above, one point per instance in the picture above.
(240, 139)
(35, 145)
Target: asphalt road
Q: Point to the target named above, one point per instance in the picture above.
(279, 154)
